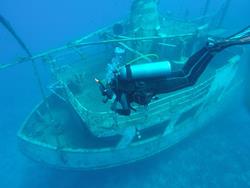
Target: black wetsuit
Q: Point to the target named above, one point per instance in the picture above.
(142, 91)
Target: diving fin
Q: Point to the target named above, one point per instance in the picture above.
(240, 38)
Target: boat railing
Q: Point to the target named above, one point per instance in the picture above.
(97, 121)
(75, 53)
(101, 120)
(160, 110)
(168, 104)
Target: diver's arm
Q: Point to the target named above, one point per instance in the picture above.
(125, 107)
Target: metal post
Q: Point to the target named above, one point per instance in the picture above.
(247, 85)
(206, 7)
(205, 10)
(224, 12)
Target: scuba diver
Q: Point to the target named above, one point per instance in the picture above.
(141, 83)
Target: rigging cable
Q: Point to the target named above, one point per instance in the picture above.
(10, 29)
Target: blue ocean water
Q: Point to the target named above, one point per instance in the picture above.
(217, 156)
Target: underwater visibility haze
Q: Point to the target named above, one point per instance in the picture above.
(216, 155)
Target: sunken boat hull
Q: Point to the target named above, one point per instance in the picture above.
(70, 144)
(73, 129)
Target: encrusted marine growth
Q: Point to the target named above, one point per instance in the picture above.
(144, 22)
(144, 17)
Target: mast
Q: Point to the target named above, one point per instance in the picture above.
(247, 85)
(10, 29)
(144, 22)
(144, 16)
(225, 8)
(206, 7)
(205, 10)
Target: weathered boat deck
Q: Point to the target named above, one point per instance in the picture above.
(72, 128)
(76, 116)
(67, 130)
